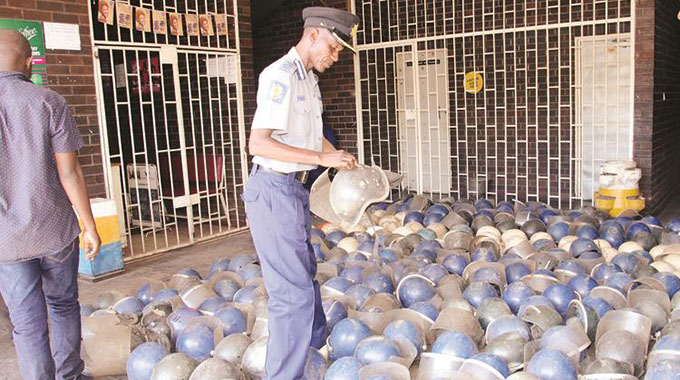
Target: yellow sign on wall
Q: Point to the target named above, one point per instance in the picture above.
(473, 82)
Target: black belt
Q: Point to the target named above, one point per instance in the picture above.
(300, 176)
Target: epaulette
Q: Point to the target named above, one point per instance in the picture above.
(287, 67)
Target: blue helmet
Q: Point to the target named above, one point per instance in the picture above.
(426, 308)
(335, 311)
(407, 330)
(587, 231)
(456, 344)
(582, 284)
(516, 293)
(376, 349)
(670, 281)
(496, 362)
(515, 271)
(143, 358)
(380, 282)
(218, 265)
(477, 292)
(455, 263)
(233, 320)
(345, 337)
(346, 368)
(560, 295)
(197, 341)
(414, 288)
(550, 364)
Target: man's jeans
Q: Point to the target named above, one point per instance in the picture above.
(34, 289)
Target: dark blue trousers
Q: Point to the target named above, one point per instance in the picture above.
(35, 290)
(280, 224)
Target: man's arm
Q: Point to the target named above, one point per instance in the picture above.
(71, 177)
(327, 146)
(262, 144)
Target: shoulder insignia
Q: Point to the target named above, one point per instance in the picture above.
(277, 91)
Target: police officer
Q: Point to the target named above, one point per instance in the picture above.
(287, 141)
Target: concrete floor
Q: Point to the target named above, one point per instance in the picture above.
(161, 268)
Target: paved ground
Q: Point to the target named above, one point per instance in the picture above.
(198, 257)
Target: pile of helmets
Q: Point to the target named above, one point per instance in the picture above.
(188, 327)
(423, 289)
(461, 289)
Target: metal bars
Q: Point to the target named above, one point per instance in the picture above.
(212, 135)
(509, 114)
(172, 131)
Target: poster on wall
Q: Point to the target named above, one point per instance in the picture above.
(205, 22)
(105, 12)
(60, 36)
(124, 12)
(192, 24)
(159, 23)
(221, 24)
(33, 32)
(142, 20)
(176, 24)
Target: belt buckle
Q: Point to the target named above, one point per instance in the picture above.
(303, 176)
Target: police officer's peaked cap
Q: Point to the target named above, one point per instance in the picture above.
(342, 24)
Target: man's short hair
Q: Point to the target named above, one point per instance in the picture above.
(14, 47)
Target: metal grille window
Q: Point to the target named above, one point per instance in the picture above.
(496, 98)
(172, 129)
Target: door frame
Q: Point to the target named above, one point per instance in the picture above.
(577, 154)
(420, 186)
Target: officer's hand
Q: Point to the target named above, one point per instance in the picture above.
(338, 159)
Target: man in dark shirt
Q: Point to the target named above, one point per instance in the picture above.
(40, 184)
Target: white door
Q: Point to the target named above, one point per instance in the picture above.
(424, 121)
(604, 114)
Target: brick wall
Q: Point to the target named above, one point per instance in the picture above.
(665, 154)
(657, 101)
(248, 82)
(70, 73)
(278, 33)
(644, 87)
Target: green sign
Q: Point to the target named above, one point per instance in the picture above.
(33, 32)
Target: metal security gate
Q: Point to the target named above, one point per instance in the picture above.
(427, 135)
(603, 107)
(172, 128)
(511, 99)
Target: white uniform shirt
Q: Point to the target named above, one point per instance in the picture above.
(289, 102)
